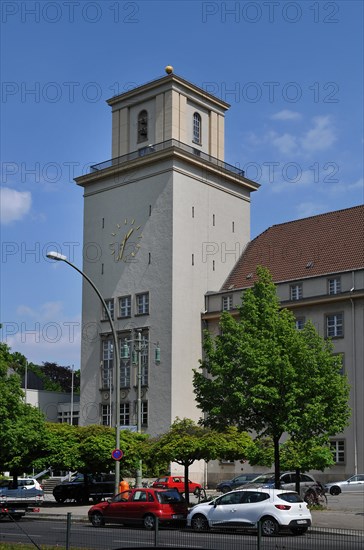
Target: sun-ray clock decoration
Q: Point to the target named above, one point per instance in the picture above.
(126, 244)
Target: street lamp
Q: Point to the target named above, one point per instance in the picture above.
(61, 258)
(139, 346)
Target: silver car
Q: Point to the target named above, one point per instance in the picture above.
(354, 483)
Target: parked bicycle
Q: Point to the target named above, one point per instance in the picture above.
(316, 495)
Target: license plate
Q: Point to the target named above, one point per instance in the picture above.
(302, 521)
(177, 516)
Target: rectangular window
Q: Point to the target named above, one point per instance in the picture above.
(107, 363)
(227, 303)
(296, 292)
(142, 303)
(144, 357)
(144, 418)
(334, 285)
(300, 323)
(334, 325)
(338, 451)
(105, 415)
(124, 414)
(110, 307)
(125, 306)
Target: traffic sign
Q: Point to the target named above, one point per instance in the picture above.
(117, 454)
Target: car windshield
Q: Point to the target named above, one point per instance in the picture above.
(265, 478)
(290, 497)
(169, 497)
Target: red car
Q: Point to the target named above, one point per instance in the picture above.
(142, 506)
(177, 482)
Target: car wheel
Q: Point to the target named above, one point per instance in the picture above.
(59, 499)
(269, 526)
(335, 490)
(149, 521)
(299, 530)
(199, 523)
(225, 489)
(97, 519)
(96, 499)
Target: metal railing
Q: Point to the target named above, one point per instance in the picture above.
(151, 149)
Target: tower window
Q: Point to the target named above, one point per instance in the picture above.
(142, 126)
(196, 128)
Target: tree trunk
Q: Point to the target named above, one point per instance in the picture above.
(187, 492)
(277, 466)
(298, 476)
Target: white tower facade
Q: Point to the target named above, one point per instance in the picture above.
(164, 222)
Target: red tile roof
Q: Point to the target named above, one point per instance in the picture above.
(323, 244)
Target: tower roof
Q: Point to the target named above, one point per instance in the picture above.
(166, 82)
(309, 247)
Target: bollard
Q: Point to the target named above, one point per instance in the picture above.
(259, 546)
(156, 531)
(68, 531)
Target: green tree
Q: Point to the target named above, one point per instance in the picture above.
(263, 375)
(22, 426)
(186, 442)
(88, 449)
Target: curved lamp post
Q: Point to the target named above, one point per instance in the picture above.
(61, 258)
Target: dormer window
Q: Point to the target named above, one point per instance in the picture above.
(142, 126)
(196, 128)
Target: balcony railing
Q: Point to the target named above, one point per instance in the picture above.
(151, 149)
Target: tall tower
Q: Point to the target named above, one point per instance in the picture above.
(164, 222)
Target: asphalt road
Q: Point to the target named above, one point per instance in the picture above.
(83, 535)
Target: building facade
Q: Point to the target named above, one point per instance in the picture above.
(165, 221)
(317, 264)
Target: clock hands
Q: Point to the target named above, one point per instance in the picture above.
(122, 246)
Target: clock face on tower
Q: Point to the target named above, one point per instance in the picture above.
(126, 240)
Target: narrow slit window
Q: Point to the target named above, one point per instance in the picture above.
(142, 126)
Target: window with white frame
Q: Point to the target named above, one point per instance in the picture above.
(196, 128)
(334, 285)
(125, 306)
(64, 417)
(107, 363)
(110, 306)
(144, 418)
(300, 323)
(142, 303)
(227, 303)
(296, 291)
(338, 451)
(124, 414)
(335, 325)
(106, 415)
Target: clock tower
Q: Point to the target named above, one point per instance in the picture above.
(165, 220)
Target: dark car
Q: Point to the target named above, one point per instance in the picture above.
(230, 484)
(85, 486)
(142, 506)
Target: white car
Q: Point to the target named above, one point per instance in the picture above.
(28, 488)
(354, 483)
(276, 509)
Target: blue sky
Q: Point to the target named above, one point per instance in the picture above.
(292, 72)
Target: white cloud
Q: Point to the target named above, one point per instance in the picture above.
(46, 312)
(14, 205)
(321, 136)
(285, 143)
(286, 114)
